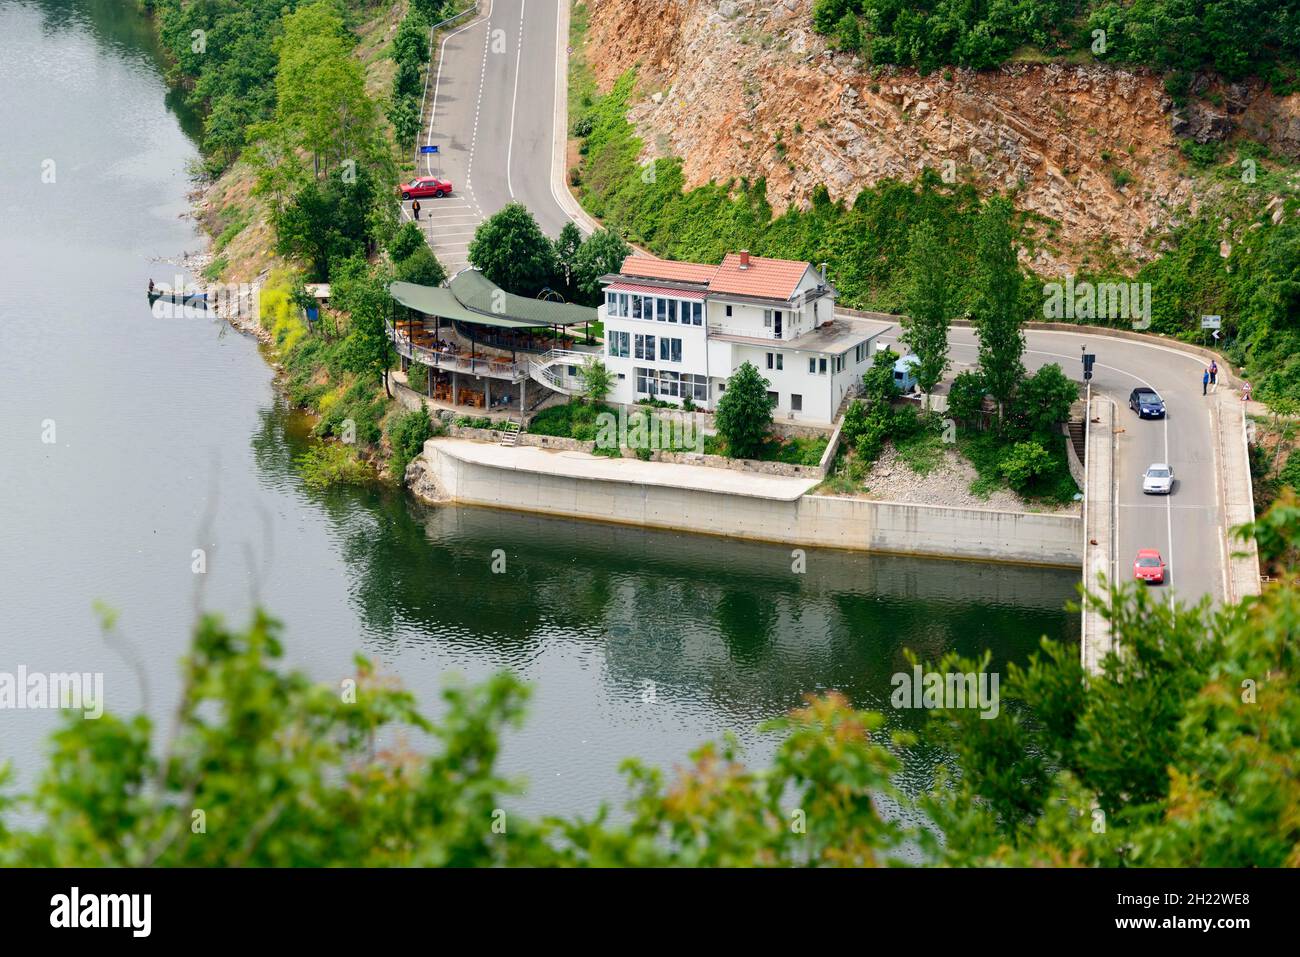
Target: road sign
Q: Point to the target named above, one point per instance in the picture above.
(428, 149)
(1211, 322)
(1215, 334)
(1088, 360)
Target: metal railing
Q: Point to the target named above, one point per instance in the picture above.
(550, 369)
(456, 361)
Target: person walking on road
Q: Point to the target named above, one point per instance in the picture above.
(1205, 381)
(1214, 376)
(1245, 392)
(415, 208)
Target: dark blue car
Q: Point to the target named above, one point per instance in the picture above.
(1147, 403)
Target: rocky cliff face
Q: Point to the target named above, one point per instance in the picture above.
(747, 88)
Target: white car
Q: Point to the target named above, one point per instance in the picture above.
(1158, 480)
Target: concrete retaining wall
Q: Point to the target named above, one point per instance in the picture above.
(810, 520)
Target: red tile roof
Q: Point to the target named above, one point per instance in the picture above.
(765, 278)
(655, 290)
(667, 269)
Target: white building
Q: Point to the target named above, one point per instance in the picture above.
(676, 330)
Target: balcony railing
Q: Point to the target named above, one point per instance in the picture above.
(448, 361)
(749, 332)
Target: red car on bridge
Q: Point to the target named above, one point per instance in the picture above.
(1149, 567)
(423, 186)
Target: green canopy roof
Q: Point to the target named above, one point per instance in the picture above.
(439, 301)
(472, 297)
(480, 294)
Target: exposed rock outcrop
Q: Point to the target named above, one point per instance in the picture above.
(423, 484)
(748, 88)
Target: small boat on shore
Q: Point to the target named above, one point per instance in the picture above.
(192, 295)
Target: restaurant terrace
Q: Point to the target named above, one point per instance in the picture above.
(471, 333)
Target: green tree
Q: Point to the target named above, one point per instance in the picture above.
(404, 114)
(327, 222)
(997, 310)
(878, 384)
(1044, 399)
(966, 397)
(566, 248)
(422, 268)
(407, 433)
(929, 305)
(597, 380)
(321, 100)
(512, 251)
(1179, 749)
(406, 240)
(601, 254)
(744, 413)
(1024, 464)
(363, 294)
(849, 33)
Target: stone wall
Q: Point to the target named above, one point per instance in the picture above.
(808, 520)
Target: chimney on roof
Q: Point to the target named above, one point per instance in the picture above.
(744, 259)
(823, 272)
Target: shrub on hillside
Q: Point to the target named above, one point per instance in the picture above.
(1024, 464)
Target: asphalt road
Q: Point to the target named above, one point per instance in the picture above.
(491, 112)
(1186, 526)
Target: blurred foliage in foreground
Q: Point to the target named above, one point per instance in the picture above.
(1182, 753)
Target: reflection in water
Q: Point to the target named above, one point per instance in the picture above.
(726, 631)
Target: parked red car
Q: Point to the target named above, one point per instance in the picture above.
(1149, 567)
(423, 186)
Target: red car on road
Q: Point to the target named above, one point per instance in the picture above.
(423, 186)
(1149, 567)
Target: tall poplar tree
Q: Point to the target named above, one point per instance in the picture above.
(929, 303)
(996, 310)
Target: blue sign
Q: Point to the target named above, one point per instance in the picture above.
(428, 149)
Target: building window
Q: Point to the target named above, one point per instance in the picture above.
(670, 350)
(697, 313)
(821, 366)
(661, 310)
(769, 360)
(636, 307)
(728, 312)
(618, 344)
(695, 387)
(812, 365)
(645, 381)
(780, 361)
(767, 318)
(672, 310)
(774, 398)
(796, 402)
(645, 347)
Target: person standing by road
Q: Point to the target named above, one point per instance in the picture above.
(1214, 375)
(1245, 392)
(1205, 381)
(415, 208)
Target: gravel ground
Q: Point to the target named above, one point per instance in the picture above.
(892, 480)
